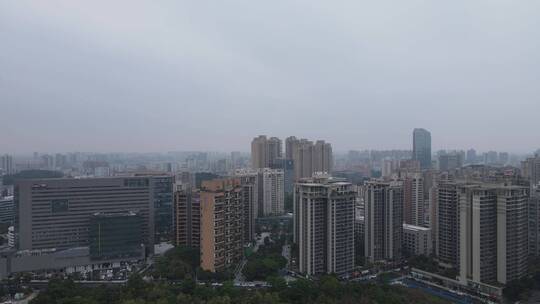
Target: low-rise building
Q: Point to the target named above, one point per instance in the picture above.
(417, 240)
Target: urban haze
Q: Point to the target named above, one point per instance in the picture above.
(189, 75)
(174, 152)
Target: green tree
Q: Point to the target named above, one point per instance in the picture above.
(330, 286)
(277, 283)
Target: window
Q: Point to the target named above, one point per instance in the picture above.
(59, 205)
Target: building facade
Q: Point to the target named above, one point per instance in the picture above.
(188, 217)
(324, 214)
(287, 166)
(309, 157)
(6, 163)
(271, 191)
(530, 169)
(222, 232)
(264, 151)
(417, 240)
(493, 233)
(115, 236)
(383, 218)
(534, 221)
(422, 147)
(448, 223)
(413, 199)
(450, 161)
(269, 184)
(7, 214)
(56, 213)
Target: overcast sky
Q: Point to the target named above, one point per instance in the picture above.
(211, 75)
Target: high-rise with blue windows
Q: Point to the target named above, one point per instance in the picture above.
(422, 147)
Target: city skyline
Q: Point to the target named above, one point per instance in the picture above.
(269, 152)
(95, 76)
(245, 149)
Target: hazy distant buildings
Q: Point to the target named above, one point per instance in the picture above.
(471, 156)
(6, 164)
(309, 157)
(422, 147)
(409, 165)
(56, 213)
(504, 157)
(222, 223)
(47, 162)
(450, 161)
(265, 151)
(491, 158)
(383, 204)
(324, 215)
(389, 167)
(530, 169)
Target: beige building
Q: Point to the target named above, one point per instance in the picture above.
(222, 232)
(309, 157)
(265, 151)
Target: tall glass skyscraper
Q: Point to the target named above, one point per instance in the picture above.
(422, 147)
